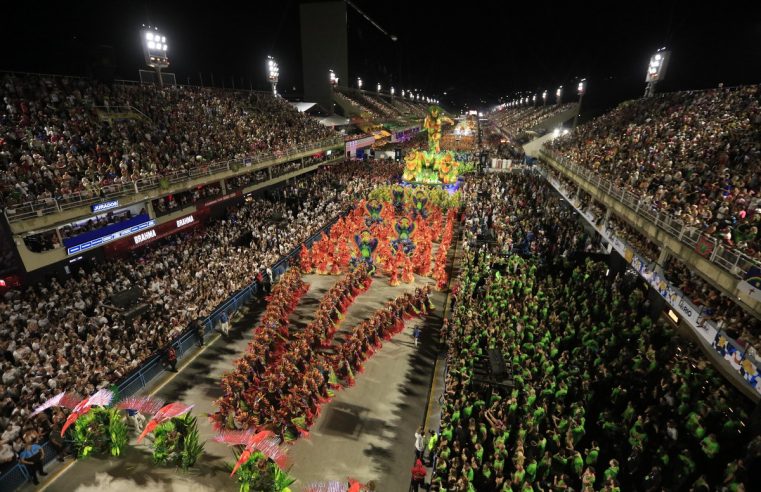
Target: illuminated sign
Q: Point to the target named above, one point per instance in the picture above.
(100, 241)
(185, 221)
(144, 236)
(99, 207)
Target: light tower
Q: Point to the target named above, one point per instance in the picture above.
(656, 70)
(154, 49)
(581, 90)
(273, 72)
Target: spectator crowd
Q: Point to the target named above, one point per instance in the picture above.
(59, 136)
(695, 155)
(67, 335)
(602, 396)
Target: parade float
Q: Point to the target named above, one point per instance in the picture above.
(432, 166)
(99, 429)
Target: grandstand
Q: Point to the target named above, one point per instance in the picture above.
(203, 288)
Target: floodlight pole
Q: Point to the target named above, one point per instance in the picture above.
(656, 70)
(581, 90)
(650, 88)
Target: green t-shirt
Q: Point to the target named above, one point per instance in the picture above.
(592, 456)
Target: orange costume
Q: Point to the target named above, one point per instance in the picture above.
(394, 263)
(407, 276)
(305, 260)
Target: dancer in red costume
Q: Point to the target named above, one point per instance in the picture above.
(407, 275)
(384, 256)
(320, 256)
(396, 262)
(305, 260)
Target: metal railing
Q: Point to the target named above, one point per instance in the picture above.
(17, 475)
(49, 206)
(731, 260)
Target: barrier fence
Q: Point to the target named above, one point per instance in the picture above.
(17, 475)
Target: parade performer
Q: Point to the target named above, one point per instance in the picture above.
(407, 275)
(395, 263)
(398, 199)
(374, 209)
(383, 256)
(305, 260)
(419, 202)
(366, 245)
(320, 255)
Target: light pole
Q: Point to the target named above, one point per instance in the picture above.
(359, 83)
(154, 49)
(273, 72)
(544, 98)
(656, 70)
(581, 89)
(392, 92)
(379, 87)
(333, 78)
(533, 99)
(559, 95)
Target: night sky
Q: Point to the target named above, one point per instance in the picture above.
(476, 52)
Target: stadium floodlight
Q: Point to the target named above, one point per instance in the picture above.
(581, 89)
(656, 70)
(154, 49)
(333, 78)
(273, 73)
(544, 97)
(379, 87)
(359, 83)
(559, 95)
(392, 91)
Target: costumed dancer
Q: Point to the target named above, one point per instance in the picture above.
(395, 263)
(305, 260)
(407, 275)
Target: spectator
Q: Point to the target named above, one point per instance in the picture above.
(170, 358)
(418, 475)
(33, 457)
(55, 439)
(419, 443)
